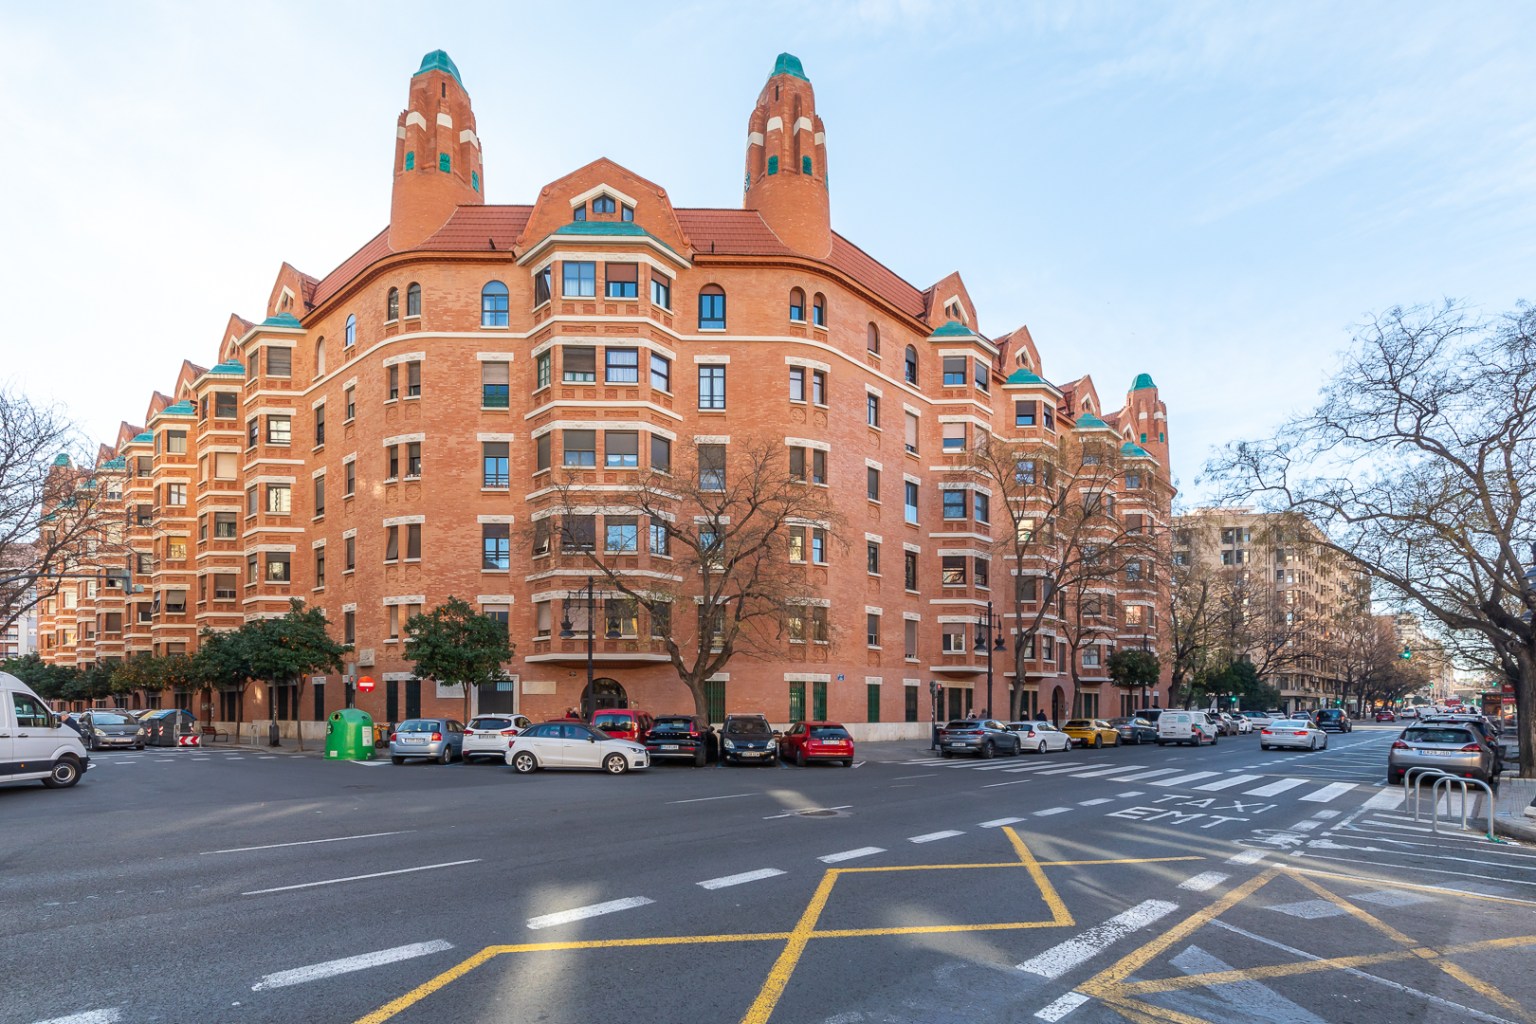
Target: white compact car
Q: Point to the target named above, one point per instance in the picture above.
(1192, 727)
(573, 745)
(33, 745)
(491, 735)
(1292, 732)
(1040, 737)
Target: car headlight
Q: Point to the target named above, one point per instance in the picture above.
(140, 732)
(98, 732)
(730, 745)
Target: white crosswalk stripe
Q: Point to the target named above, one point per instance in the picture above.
(1109, 771)
(1329, 792)
(1179, 780)
(1228, 783)
(1142, 775)
(1275, 788)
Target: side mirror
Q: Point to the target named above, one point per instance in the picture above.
(591, 738)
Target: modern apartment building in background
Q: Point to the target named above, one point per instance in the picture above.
(386, 436)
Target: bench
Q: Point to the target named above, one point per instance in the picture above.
(213, 735)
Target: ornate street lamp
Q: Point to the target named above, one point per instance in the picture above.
(589, 701)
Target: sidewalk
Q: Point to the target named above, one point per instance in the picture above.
(1510, 807)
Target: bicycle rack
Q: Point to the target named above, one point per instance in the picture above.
(1414, 777)
(1448, 781)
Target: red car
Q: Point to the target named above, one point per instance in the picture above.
(624, 723)
(1385, 716)
(817, 741)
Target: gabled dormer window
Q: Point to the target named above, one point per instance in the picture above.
(627, 213)
(604, 204)
(580, 212)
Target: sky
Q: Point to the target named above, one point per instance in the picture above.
(1210, 193)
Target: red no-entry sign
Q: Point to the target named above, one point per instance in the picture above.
(365, 684)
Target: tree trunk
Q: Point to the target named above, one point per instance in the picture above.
(298, 701)
(1525, 709)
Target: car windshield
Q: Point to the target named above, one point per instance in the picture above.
(674, 723)
(1078, 723)
(830, 732)
(106, 718)
(418, 725)
(1426, 735)
(491, 723)
(748, 727)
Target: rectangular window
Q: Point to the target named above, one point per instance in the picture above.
(711, 386)
(982, 569)
(1133, 481)
(621, 280)
(579, 280)
(319, 482)
(621, 366)
(661, 372)
(712, 311)
(176, 549)
(712, 467)
(872, 629)
(543, 619)
(621, 617)
(413, 379)
(252, 432)
(981, 507)
(541, 286)
(224, 586)
(954, 437)
(349, 552)
(621, 535)
(1048, 416)
(224, 405)
(621, 449)
(872, 558)
(277, 567)
(319, 424)
(224, 526)
(391, 543)
(954, 504)
(911, 436)
(279, 362)
(909, 570)
(176, 495)
(660, 537)
(578, 364)
(319, 568)
(348, 479)
(225, 466)
(351, 403)
(797, 702)
(495, 546)
(279, 429)
(493, 460)
(578, 533)
(413, 460)
(279, 499)
(953, 641)
(176, 442)
(983, 375)
(392, 462)
(580, 447)
(413, 542)
(661, 290)
(541, 446)
(392, 390)
(909, 639)
(818, 387)
(797, 383)
(910, 504)
(872, 410)
(952, 570)
(797, 544)
(1023, 413)
(954, 371)
(252, 500)
(661, 454)
(872, 483)
(541, 369)
(494, 385)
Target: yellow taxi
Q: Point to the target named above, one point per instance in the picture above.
(1091, 732)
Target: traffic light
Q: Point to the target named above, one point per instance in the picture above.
(1407, 654)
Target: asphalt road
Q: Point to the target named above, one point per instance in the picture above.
(1132, 884)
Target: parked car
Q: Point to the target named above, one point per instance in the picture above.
(624, 723)
(1333, 720)
(35, 746)
(1192, 727)
(107, 728)
(1452, 747)
(1091, 732)
(1040, 736)
(1242, 725)
(1386, 715)
(573, 745)
(816, 741)
(1258, 719)
(1482, 726)
(1293, 732)
(747, 739)
(1150, 714)
(491, 736)
(431, 739)
(683, 737)
(984, 737)
(1134, 730)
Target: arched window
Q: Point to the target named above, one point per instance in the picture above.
(320, 357)
(872, 339)
(413, 300)
(493, 305)
(392, 305)
(712, 308)
(911, 365)
(797, 305)
(819, 310)
(351, 331)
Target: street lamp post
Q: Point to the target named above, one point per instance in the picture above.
(589, 701)
(988, 638)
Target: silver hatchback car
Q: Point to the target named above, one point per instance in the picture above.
(431, 739)
(1453, 748)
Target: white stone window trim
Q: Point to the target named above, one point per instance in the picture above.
(390, 442)
(485, 599)
(494, 437)
(711, 438)
(495, 357)
(403, 521)
(402, 599)
(711, 360)
(404, 357)
(874, 538)
(810, 364)
(502, 519)
(806, 442)
(807, 677)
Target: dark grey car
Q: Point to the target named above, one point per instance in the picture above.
(984, 737)
(745, 739)
(105, 728)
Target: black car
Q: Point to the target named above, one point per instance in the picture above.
(683, 737)
(748, 739)
(1333, 720)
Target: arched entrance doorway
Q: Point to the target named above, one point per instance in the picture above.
(607, 693)
(1057, 700)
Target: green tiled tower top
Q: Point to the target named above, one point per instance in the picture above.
(1088, 421)
(231, 369)
(1143, 382)
(1132, 450)
(438, 60)
(181, 408)
(952, 329)
(787, 64)
(1024, 375)
(282, 320)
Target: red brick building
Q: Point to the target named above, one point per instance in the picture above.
(383, 437)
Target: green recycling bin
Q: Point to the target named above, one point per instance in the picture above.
(349, 735)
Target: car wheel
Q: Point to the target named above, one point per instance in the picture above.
(1325, 742)
(396, 759)
(799, 758)
(1041, 748)
(65, 773)
(848, 763)
(615, 764)
(138, 746)
(1159, 741)
(524, 763)
(699, 757)
(1263, 746)
(1394, 778)
(1213, 740)
(446, 756)
(987, 750)
(946, 753)
(1098, 741)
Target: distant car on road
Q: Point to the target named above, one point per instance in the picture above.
(1041, 737)
(1192, 727)
(105, 728)
(682, 737)
(1293, 732)
(573, 745)
(1333, 720)
(984, 737)
(1258, 719)
(429, 739)
(1452, 747)
(816, 741)
(491, 736)
(1386, 715)
(1134, 730)
(1091, 732)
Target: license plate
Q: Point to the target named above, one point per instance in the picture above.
(669, 746)
(1438, 753)
(957, 744)
(414, 739)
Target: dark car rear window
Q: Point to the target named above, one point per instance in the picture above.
(963, 724)
(748, 727)
(830, 734)
(1427, 735)
(491, 723)
(419, 725)
(1329, 715)
(674, 723)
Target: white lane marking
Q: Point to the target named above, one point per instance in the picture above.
(994, 785)
(1179, 780)
(267, 757)
(1386, 800)
(1128, 794)
(306, 842)
(1328, 792)
(999, 822)
(1203, 881)
(1275, 788)
(863, 851)
(1326, 815)
(1110, 771)
(726, 881)
(1061, 1007)
(702, 799)
(1052, 810)
(1154, 773)
(359, 878)
(1305, 826)
(108, 1016)
(1093, 803)
(346, 965)
(1063, 771)
(925, 775)
(1060, 959)
(931, 836)
(1220, 784)
(1247, 857)
(582, 913)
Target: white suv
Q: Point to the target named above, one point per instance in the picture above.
(1192, 727)
(491, 736)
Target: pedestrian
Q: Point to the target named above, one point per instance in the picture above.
(1040, 715)
(970, 712)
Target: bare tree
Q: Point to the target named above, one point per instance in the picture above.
(1419, 462)
(740, 535)
(56, 519)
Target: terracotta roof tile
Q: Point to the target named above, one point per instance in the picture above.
(886, 283)
(473, 228)
(374, 249)
(730, 233)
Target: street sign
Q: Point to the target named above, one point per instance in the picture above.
(365, 684)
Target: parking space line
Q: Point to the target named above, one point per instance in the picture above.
(1061, 1007)
(359, 878)
(108, 1016)
(346, 965)
(1220, 784)
(1329, 792)
(1275, 788)
(582, 913)
(1061, 958)
(863, 851)
(305, 842)
(744, 877)
(1203, 881)
(702, 799)
(999, 822)
(1179, 780)
(932, 836)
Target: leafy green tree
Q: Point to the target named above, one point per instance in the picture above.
(455, 644)
(1133, 669)
(290, 648)
(222, 663)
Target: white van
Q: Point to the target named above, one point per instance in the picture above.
(33, 745)
(1192, 727)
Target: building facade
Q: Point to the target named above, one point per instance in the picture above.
(390, 434)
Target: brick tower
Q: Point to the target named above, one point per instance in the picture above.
(786, 177)
(437, 154)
